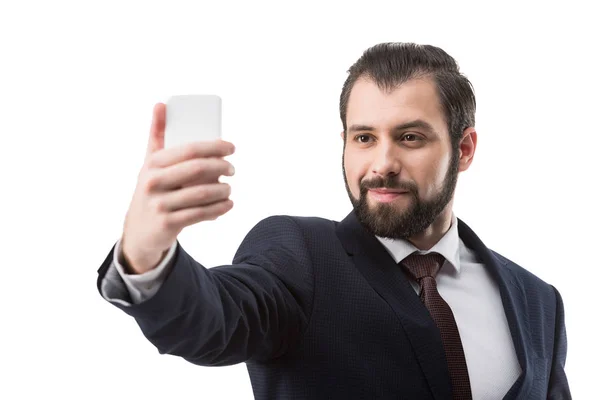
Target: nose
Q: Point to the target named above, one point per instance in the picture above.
(386, 162)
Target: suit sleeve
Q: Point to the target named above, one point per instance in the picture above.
(120, 287)
(558, 387)
(255, 309)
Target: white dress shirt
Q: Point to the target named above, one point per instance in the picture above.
(474, 297)
(462, 281)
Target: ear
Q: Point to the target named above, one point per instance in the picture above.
(466, 148)
(342, 135)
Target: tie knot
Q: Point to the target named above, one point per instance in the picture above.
(422, 265)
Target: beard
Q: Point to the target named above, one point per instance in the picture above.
(387, 220)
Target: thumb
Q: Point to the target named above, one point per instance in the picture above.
(156, 141)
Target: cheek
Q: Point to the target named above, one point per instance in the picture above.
(429, 174)
(355, 172)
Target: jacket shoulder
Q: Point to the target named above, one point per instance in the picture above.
(526, 277)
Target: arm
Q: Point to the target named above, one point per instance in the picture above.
(558, 386)
(255, 309)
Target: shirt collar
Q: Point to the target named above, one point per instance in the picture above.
(448, 246)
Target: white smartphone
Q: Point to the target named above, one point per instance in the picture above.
(192, 118)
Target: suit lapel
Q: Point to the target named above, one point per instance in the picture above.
(388, 280)
(514, 301)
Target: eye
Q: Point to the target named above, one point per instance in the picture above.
(362, 138)
(411, 137)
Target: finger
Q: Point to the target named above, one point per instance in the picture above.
(197, 182)
(195, 196)
(204, 170)
(156, 140)
(190, 216)
(188, 151)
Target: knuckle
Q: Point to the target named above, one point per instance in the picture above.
(161, 206)
(165, 223)
(190, 151)
(158, 206)
(150, 183)
(150, 161)
(202, 192)
(200, 166)
(201, 214)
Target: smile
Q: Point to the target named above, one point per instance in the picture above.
(386, 195)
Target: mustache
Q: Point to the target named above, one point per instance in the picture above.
(388, 183)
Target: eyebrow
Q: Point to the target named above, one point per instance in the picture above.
(418, 123)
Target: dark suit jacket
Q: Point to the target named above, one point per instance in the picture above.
(319, 310)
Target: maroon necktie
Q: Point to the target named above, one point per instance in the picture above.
(424, 268)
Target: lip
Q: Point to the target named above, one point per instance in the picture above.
(388, 191)
(386, 195)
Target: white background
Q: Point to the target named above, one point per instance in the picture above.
(78, 82)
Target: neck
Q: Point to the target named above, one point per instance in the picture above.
(430, 236)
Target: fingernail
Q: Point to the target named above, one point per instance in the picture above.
(231, 170)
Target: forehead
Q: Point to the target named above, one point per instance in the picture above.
(414, 99)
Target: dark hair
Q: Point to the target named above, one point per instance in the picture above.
(391, 64)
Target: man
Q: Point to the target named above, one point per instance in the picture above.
(399, 300)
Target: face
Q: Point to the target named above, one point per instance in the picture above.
(399, 167)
